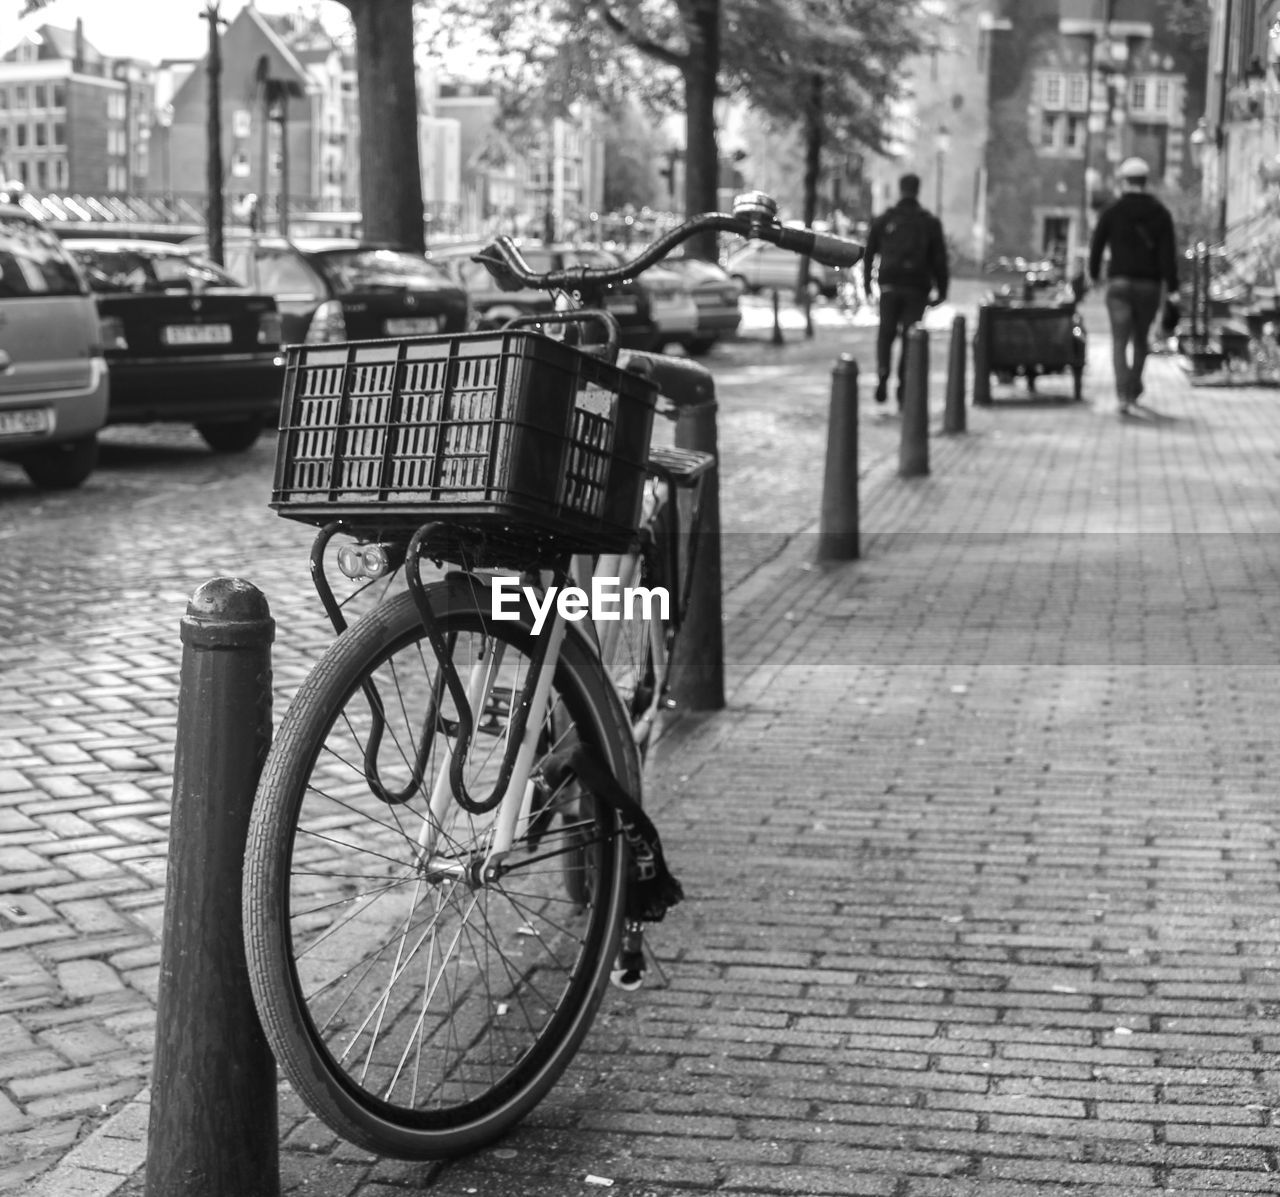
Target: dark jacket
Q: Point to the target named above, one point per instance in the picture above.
(1138, 229)
(935, 272)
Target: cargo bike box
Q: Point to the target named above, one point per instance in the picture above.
(1028, 339)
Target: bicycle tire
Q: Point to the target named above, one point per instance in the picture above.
(332, 970)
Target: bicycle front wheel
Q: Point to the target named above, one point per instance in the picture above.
(419, 1006)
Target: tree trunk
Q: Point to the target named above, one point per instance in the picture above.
(812, 172)
(702, 160)
(390, 174)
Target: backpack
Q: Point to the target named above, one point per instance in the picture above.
(904, 243)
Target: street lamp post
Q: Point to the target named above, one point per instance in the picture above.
(213, 163)
(941, 145)
(164, 118)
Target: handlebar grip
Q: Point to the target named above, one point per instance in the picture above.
(496, 258)
(825, 248)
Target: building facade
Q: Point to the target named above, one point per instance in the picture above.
(1240, 138)
(71, 119)
(1017, 123)
(940, 130)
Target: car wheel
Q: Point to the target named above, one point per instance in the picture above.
(61, 467)
(232, 436)
(699, 346)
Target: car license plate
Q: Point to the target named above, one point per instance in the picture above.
(197, 334)
(409, 326)
(26, 421)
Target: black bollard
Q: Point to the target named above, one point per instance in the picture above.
(697, 666)
(213, 1125)
(838, 529)
(777, 338)
(913, 452)
(953, 415)
(982, 359)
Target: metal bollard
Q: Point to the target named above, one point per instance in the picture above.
(913, 452)
(777, 338)
(982, 359)
(838, 529)
(213, 1125)
(697, 667)
(953, 415)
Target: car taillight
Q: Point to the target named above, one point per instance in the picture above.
(113, 337)
(328, 324)
(270, 330)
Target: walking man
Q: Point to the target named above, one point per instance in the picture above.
(907, 239)
(1137, 229)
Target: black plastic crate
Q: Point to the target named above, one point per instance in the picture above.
(506, 432)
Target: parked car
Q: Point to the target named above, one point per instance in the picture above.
(716, 297)
(759, 266)
(651, 311)
(184, 340)
(53, 377)
(342, 289)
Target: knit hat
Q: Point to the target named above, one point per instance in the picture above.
(1133, 168)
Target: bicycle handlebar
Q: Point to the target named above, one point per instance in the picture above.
(754, 216)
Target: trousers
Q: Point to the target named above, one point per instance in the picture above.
(900, 308)
(1132, 306)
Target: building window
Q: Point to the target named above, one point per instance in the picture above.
(59, 173)
(1049, 131)
(42, 133)
(1053, 91)
(59, 133)
(38, 96)
(42, 175)
(20, 96)
(20, 135)
(1077, 91)
(59, 99)
(4, 98)
(1162, 96)
(1138, 94)
(1075, 132)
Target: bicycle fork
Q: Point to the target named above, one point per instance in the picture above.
(511, 798)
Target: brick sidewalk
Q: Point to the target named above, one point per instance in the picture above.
(981, 859)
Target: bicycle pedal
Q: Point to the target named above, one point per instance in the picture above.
(627, 979)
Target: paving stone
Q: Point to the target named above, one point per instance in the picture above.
(980, 857)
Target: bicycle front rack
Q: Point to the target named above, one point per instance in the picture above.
(448, 678)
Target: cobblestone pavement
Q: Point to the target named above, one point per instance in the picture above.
(981, 857)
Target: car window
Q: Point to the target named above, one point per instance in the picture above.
(594, 258)
(282, 272)
(539, 259)
(351, 270)
(141, 270)
(239, 264)
(33, 262)
(474, 276)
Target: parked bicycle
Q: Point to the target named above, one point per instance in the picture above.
(448, 840)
